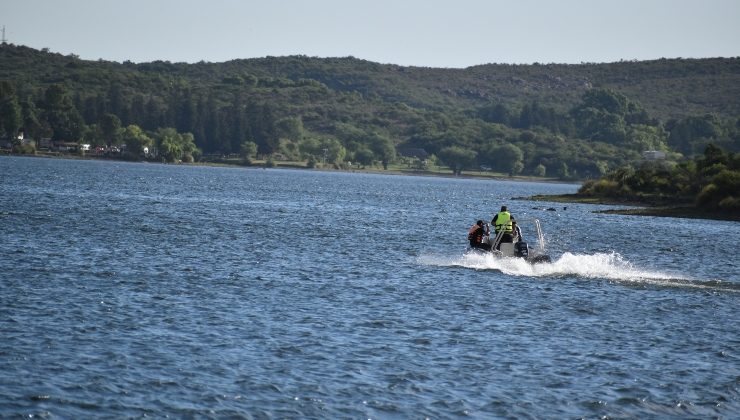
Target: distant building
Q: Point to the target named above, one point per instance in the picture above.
(653, 155)
(45, 143)
(65, 146)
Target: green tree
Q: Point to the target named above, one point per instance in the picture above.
(290, 128)
(92, 135)
(312, 162)
(174, 146)
(495, 113)
(248, 151)
(60, 113)
(534, 114)
(32, 127)
(540, 170)
(645, 137)
(262, 129)
(603, 167)
(136, 141)
(722, 192)
(191, 152)
(383, 148)
(110, 129)
(457, 158)
(690, 134)
(364, 156)
(168, 144)
(596, 124)
(507, 158)
(713, 156)
(289, 149)
(323, 149)
(563, 171)
(606, 115)
(10, 111)
(608, 101)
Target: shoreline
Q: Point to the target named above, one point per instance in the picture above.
(657, 208)
(410, 172)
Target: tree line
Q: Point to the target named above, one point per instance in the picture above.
(344, 110)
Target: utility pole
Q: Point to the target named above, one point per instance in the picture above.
(4, 40)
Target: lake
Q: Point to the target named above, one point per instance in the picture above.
(131, 290)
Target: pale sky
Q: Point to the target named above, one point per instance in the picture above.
(429, 33)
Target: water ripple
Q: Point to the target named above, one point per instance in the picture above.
(211, 292)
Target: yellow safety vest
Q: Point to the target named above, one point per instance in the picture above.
(503, 221)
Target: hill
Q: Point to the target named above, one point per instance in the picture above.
(567, 120)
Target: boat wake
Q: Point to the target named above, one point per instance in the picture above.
(609, 266)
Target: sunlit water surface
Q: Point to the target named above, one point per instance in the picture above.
(131, 290)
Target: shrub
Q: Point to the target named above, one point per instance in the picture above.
(311, 162)
(24, 149)
(604, 187)
(540, 170)
(730, 204)
(706, 195)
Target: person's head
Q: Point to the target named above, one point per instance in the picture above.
(479, 223)
(503, 208)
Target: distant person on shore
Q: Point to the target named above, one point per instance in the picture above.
(502, 222)
(476, 234)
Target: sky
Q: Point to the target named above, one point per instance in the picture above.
(426, 33)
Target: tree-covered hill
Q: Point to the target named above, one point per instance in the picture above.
(543, 119)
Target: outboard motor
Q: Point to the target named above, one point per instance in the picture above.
(522, 250)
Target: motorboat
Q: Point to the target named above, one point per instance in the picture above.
(513, 246)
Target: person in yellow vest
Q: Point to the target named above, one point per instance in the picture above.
(502, 221)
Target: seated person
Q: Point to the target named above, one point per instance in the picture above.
(476, 234)
(517, 231)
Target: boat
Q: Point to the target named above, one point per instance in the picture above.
(515, 249)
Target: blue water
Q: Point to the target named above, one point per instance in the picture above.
(130, 290)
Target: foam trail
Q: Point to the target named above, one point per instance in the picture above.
(610, 266)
